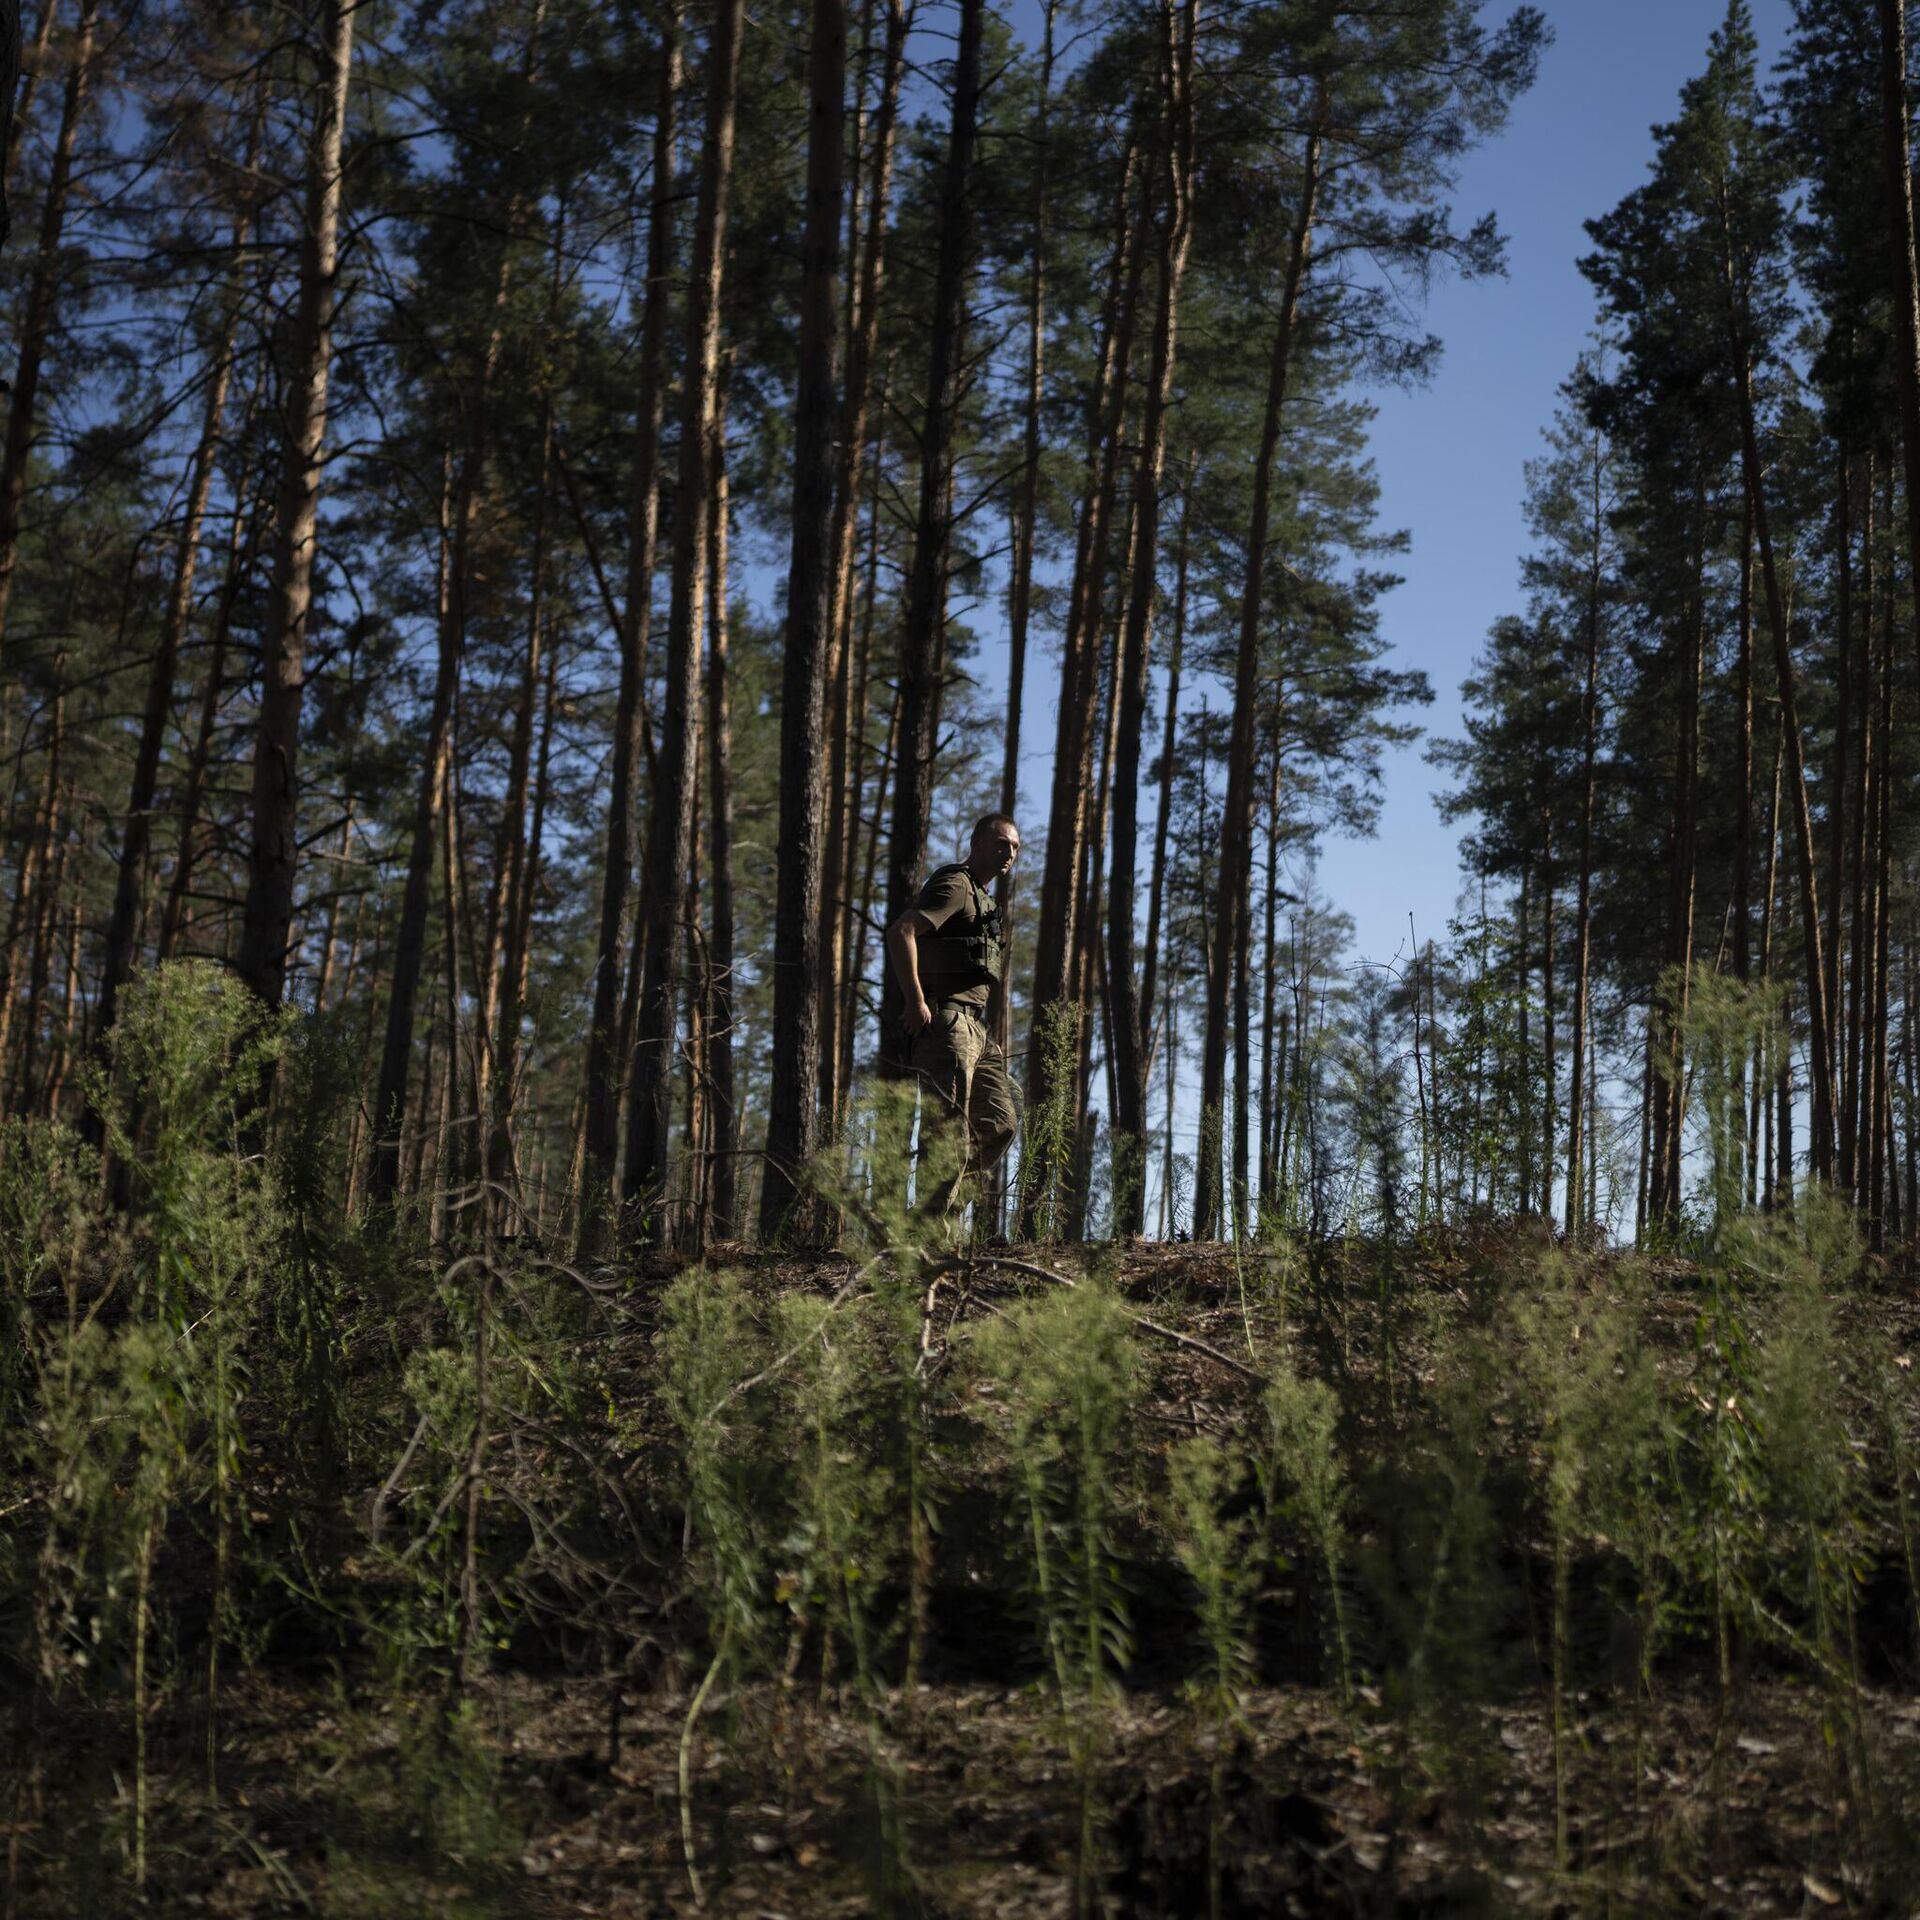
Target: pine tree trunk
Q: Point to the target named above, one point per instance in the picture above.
(1027, 497)
(847, 737)
(274, 847)
(1269, 968)
(520, 850)
(42, 308)
(1877, 1075)
(1169, 738)
(1235, 876)
(632, 734)
(31, 884)
(1896, 118)
(128, 891)
(1820, 1049)
(1682, 891)
(1056, 935)
(670, 818)
(723, 1192)
(923, 628)
(32, 66)
(1856, 1114)
(857, 881)
(1548, 934)
(1179, 30)
(1579, 1146)
(794, 1093)
(1840, 799)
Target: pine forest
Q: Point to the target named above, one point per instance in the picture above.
(712, 1199)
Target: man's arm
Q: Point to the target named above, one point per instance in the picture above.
(903, 949)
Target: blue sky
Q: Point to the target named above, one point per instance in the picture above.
(1450, 457)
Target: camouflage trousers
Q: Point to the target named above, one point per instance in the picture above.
(972, 1097)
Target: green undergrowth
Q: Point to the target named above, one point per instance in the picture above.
(254, 1447)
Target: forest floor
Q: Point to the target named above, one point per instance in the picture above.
(1775, 1793)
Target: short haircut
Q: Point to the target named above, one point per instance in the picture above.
(987, 820)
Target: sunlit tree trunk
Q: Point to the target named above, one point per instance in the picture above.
(1058, 942)
(846, 736)
(1169, 739)
(670, 818)
(1179, 29)
(274, 848)
(1235, 875)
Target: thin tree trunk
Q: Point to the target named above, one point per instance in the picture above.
(1820, 1121)
(847, 738)
(631, 731)
(520, 849)
(128, 892)
(1854, 1113)
(1027, 499)
(794, 1094)
(1896, 119)
(389, 1109)
(1179, 30)
(923, 628)
(1682, 893)
(1235, 877)
(1548, 934)
(32, 66)
(859, 904)
(1269, 1049)
(1578, 1144)
(1056, 942)
(274, 847)
(670, 819)
(723, 1194)
(1877, 1075)
(1169, 740)
(42, 308)
(1840, 800)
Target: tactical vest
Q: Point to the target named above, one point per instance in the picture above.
(973, 955)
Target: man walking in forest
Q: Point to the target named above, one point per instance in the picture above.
(948, 952)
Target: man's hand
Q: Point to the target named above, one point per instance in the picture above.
(917, 1018)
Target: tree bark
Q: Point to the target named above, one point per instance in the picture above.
(1578, 1146)
(1169, 739)
(723, 1189)
(117, 963)
(670, 819)
(1235, 875)
(923, 630)
(1179, 28)
(632, 735)
(846, 740)
(274, 848)
(1057, 938)
(43, 299)
(1027, 499)
(1896, 118)
(794, 1092)
(1820, 1050)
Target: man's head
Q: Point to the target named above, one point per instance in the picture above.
(994, 846)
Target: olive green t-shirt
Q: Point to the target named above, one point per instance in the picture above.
(949, 897)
